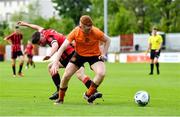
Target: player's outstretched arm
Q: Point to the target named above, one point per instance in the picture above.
(33, 26)
(54, 48)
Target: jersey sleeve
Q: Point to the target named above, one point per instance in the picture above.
(149, 40)
(51, 40)
(10, 36)
(100, 34)
(160, 39)
(71, 36)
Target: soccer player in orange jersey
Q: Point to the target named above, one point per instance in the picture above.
(15, 40)
(87, 38)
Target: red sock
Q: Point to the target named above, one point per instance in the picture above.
(87, 81)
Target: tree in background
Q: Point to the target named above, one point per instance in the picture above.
(4, 30)
(123, 23)
(170, 14)
(120, 20)
(97, 13)
(72, 8)
(138, 8)
(163, 13)
(64, 25)
(31, 16)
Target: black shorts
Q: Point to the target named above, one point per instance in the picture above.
(80, 60)
(65, 61)
(154, 54)
(14, 55)
(30, 56)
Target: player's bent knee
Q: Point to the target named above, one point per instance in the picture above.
(80, 76)
(49, 66)
(101, 74)
(155, 61)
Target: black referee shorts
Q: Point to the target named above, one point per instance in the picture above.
(154, 54)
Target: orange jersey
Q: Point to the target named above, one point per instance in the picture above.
(86, 44)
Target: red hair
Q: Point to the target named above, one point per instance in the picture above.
(86, 20)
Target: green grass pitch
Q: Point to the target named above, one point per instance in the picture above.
(28, 96)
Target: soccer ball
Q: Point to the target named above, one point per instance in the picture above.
(141, 98)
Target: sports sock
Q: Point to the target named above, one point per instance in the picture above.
(33, 64)
(92, 89)
(14, 69)
(27, 64)
(152, 67)
(62, 92)
(20, 67)
(157, 66)
(87, 81)
(56, 80)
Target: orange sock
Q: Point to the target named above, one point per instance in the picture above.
(62, 92)
(92, 89)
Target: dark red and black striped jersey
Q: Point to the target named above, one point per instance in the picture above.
(29, 49)
(15, 39)
(52, 36)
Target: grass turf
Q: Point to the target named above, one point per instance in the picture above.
(28, 96)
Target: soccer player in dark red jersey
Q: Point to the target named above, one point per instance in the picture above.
(55, 40)
(15, 40)
(29, 53)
